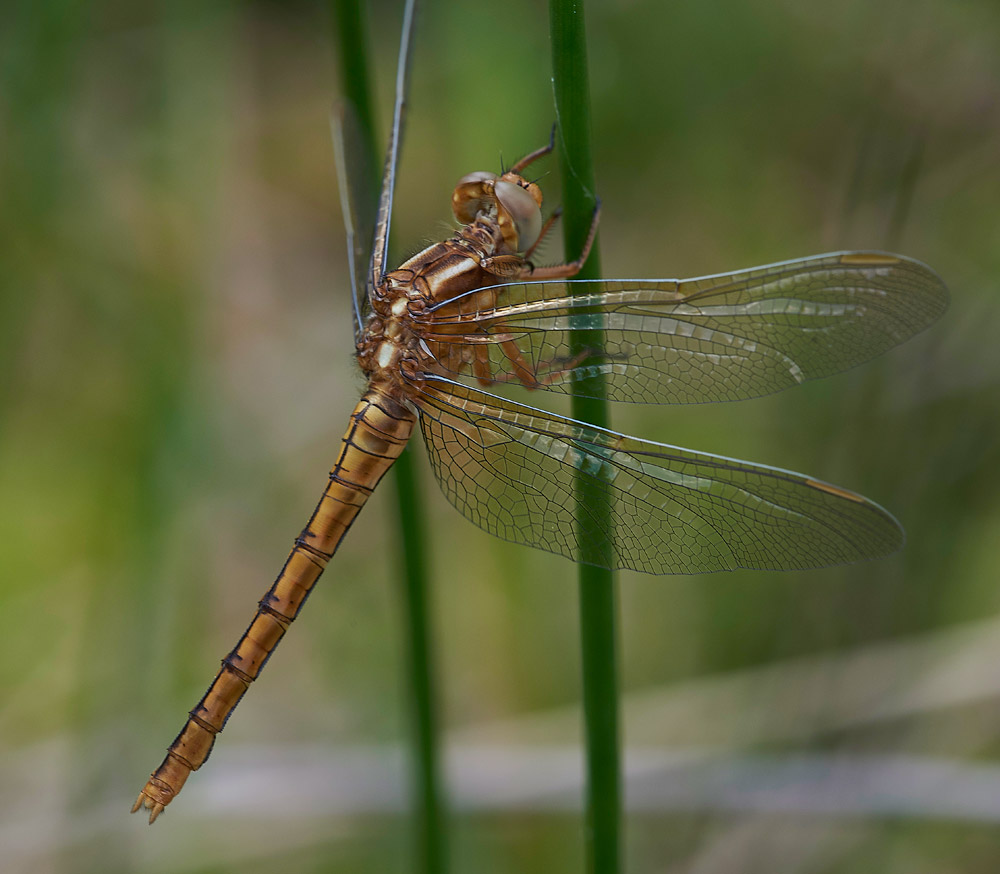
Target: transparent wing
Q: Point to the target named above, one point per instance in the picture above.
(714, 338)
(354, 175)
(511, 470)
(381, 246)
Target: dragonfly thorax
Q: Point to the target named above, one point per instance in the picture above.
(501, 219)
(465, 269)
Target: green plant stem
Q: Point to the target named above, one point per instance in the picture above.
(430, 856)
(351, 39)
(427, 792)
(598, 599)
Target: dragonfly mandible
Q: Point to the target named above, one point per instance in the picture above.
(472, 312)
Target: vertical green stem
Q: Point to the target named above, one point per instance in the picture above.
(598, 600)
(427, 792)
(351, 39)
(430, 854)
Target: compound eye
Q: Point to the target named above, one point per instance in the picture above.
(524, 211)
(472, 194)
(478, 176)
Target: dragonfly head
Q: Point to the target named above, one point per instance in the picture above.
(511, 200)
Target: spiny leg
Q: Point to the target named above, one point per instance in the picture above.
(571, 268)
(522, 371)
(553, 369)
(535, 155)
(552, 219)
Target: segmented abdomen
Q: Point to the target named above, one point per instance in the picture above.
(379, 430)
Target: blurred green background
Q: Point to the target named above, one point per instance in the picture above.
(176, 363)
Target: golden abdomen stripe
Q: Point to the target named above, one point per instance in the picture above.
(379, 429)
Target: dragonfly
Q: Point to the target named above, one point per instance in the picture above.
(473, 312)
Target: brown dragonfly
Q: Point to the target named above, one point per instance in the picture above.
(473, 309)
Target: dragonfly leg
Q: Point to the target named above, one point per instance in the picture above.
(483, 372)
(554, 369)
(571, 268)
(481, 366)
(531, 157)
(504, 266)
(552, 219)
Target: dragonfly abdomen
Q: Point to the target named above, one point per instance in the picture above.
(379, 430)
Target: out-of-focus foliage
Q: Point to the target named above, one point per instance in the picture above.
(176, 371)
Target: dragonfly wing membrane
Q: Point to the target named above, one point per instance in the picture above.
(380, 248)
(354, 180)
(511, 469)
(716, 338)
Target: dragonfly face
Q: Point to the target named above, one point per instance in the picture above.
(509, 200)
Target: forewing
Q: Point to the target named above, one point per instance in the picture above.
(715, 338)
(383, 217)
(512, 471)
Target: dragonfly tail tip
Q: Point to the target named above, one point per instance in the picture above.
(155, 808)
